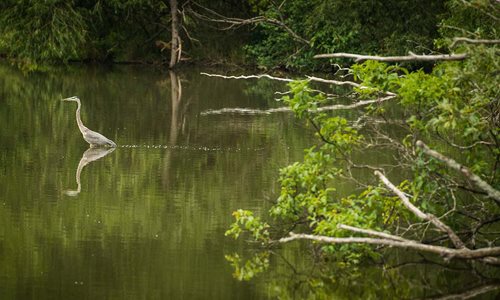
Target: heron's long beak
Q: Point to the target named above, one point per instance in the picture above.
(66, 99)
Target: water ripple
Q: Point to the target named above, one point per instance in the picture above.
(191, 148)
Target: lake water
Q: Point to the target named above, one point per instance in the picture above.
(147, 220)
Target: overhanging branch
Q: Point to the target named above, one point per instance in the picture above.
(408, 244)
(248, 77)
(310, 78)
(411, 57)
(250, 111)
(459, 40)
(478, 182)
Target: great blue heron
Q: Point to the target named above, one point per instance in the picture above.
(95, 139)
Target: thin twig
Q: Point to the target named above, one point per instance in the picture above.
(372, 233)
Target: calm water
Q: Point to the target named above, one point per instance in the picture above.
(147, 220)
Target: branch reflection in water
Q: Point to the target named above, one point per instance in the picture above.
(92, 154)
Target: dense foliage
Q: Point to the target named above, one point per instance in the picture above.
(383, 27)
(36, 33)
(453, 108)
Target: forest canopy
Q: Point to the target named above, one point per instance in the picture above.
(267, 34)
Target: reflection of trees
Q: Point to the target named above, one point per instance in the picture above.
(292, 275)
(176, 93)
(92, 154)
(123, 225)
(470, 293)
(177, 120)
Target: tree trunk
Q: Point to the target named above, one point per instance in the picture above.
(175, 43)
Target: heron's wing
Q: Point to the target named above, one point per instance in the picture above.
(95, 138)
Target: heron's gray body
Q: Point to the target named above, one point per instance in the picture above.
(95, 139)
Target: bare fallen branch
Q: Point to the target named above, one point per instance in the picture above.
(478, 182)
(338, 82)
(250, 111)
(463, 253)
(410, 57)
(457, 242)
(244, 111)
(310, 78)
(459, 40)
(248, 77)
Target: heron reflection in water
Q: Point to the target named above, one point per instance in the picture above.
(92, 154)
(95, 139)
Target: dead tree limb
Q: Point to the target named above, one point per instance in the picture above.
(310, 78)
(237, 22)
(338, 82)
(250, 111)
(444, 251)
(249, 77)
(457, 242)
(459, 40)
(478, 182)
(176, 42)
(411, 57)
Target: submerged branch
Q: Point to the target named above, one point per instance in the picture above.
(411, 57)
(478, 182)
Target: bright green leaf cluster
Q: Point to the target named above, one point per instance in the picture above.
(245, 221)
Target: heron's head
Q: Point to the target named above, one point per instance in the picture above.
(74, 98)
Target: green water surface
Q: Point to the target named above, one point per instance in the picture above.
(147, 219)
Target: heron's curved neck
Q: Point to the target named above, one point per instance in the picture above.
(79, 118)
